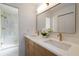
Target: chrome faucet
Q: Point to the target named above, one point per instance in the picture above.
(60, 36)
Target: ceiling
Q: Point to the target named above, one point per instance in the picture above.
(19, 4)
(13, 4)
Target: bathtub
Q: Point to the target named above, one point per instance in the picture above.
(9, 50)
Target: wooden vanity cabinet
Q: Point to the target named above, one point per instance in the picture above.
(29, 47)
(33, 49)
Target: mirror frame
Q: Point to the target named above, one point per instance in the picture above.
(51, 8)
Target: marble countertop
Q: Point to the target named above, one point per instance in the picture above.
(72, 51)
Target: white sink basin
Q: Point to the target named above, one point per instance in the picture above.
(61, 45)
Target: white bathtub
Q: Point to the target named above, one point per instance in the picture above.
(9, 50)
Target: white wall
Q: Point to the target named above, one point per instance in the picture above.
(27, 18)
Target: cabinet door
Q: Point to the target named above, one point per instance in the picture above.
(30, 48)
(33, 49)
(26, 47)
(40, 51)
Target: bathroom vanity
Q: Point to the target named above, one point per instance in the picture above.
(39, 46)
(34, 49)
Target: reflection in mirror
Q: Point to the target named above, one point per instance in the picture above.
(47, 22)
(64, 20)
(60, 18)
(54, 24)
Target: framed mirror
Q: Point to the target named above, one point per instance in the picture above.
(60, 18)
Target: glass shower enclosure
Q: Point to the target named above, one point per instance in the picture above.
(8, 26)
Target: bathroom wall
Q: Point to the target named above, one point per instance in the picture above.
(27, 17)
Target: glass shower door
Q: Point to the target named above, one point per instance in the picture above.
(0, 28)
(9, 25)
